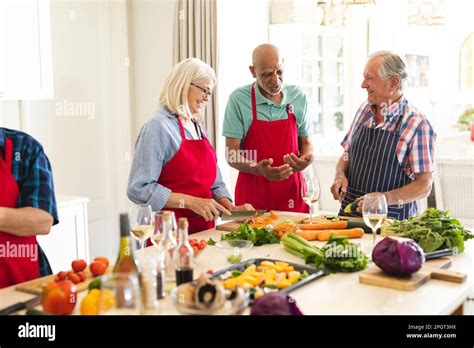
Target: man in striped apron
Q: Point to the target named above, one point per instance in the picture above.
(390, 145)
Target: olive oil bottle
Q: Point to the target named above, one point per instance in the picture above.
(125, 262)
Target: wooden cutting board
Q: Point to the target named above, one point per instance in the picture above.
(35, 286)
(432, 269)
(234, 225)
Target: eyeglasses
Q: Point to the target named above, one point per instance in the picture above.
(207, 92)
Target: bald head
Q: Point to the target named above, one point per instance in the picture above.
(267, 68)
(266, 54)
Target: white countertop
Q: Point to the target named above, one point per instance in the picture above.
(333, 294)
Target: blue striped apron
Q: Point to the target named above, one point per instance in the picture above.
(374, 167)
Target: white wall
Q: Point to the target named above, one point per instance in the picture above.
(152, 38)
(242, 26)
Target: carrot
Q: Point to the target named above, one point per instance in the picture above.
(352, 233)
(336, 225)
(309, 234)
(273, 215)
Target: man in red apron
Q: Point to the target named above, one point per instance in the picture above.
(267, 137)
(27, 207)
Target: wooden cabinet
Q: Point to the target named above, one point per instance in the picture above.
(68, 240)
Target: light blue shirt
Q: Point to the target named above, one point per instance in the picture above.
(158, 141)
(238, 114)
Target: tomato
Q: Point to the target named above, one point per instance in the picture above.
(193, 242)
(79, 265)
(102, 259)
(82, 275)
(59, 298)
(56, 279)
(196, 250)
(97, 268)
(202, 244)
(210, 271)
(75, 278)
(62, 275)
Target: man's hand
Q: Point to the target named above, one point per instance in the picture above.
(270, 173)
(339, 186)
(298, 163)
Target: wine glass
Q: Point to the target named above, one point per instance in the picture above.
(142, 221)
(310, 190)
(374, 211)
(119, 295)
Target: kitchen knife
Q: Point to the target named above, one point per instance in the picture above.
(242, 214)
(438, 253)
(21, 305)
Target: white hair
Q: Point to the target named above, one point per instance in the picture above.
(174, 93)
(392, 65)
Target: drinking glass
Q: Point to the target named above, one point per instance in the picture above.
(310, 190)
(141, 221)
(120, 295)
(374, 211)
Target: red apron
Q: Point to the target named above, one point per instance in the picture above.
(191, 171)
(16, 265)
(271, 140)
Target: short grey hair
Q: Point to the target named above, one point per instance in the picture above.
(392, 65)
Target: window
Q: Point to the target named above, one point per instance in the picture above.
(466, 63)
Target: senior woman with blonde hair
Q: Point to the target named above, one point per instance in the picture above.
(175, 166)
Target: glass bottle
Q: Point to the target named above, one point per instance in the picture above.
(125, 261)
(167, 245)
(183, 256)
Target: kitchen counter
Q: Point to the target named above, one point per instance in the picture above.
(333, 294)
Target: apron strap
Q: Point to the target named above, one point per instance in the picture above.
(254, 103)
(181, 129)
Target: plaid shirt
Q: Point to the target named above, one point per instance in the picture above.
(415, 149)
(32, 172)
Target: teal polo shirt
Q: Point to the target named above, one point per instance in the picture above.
(238, 114)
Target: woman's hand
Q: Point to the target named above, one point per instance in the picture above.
(226, 202)
(209, 209)
(243, 207)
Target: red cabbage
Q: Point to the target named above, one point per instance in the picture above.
(397, 256)
(275, 303)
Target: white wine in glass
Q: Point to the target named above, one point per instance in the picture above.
(374, 211)
(310, 190)
(142, 222)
